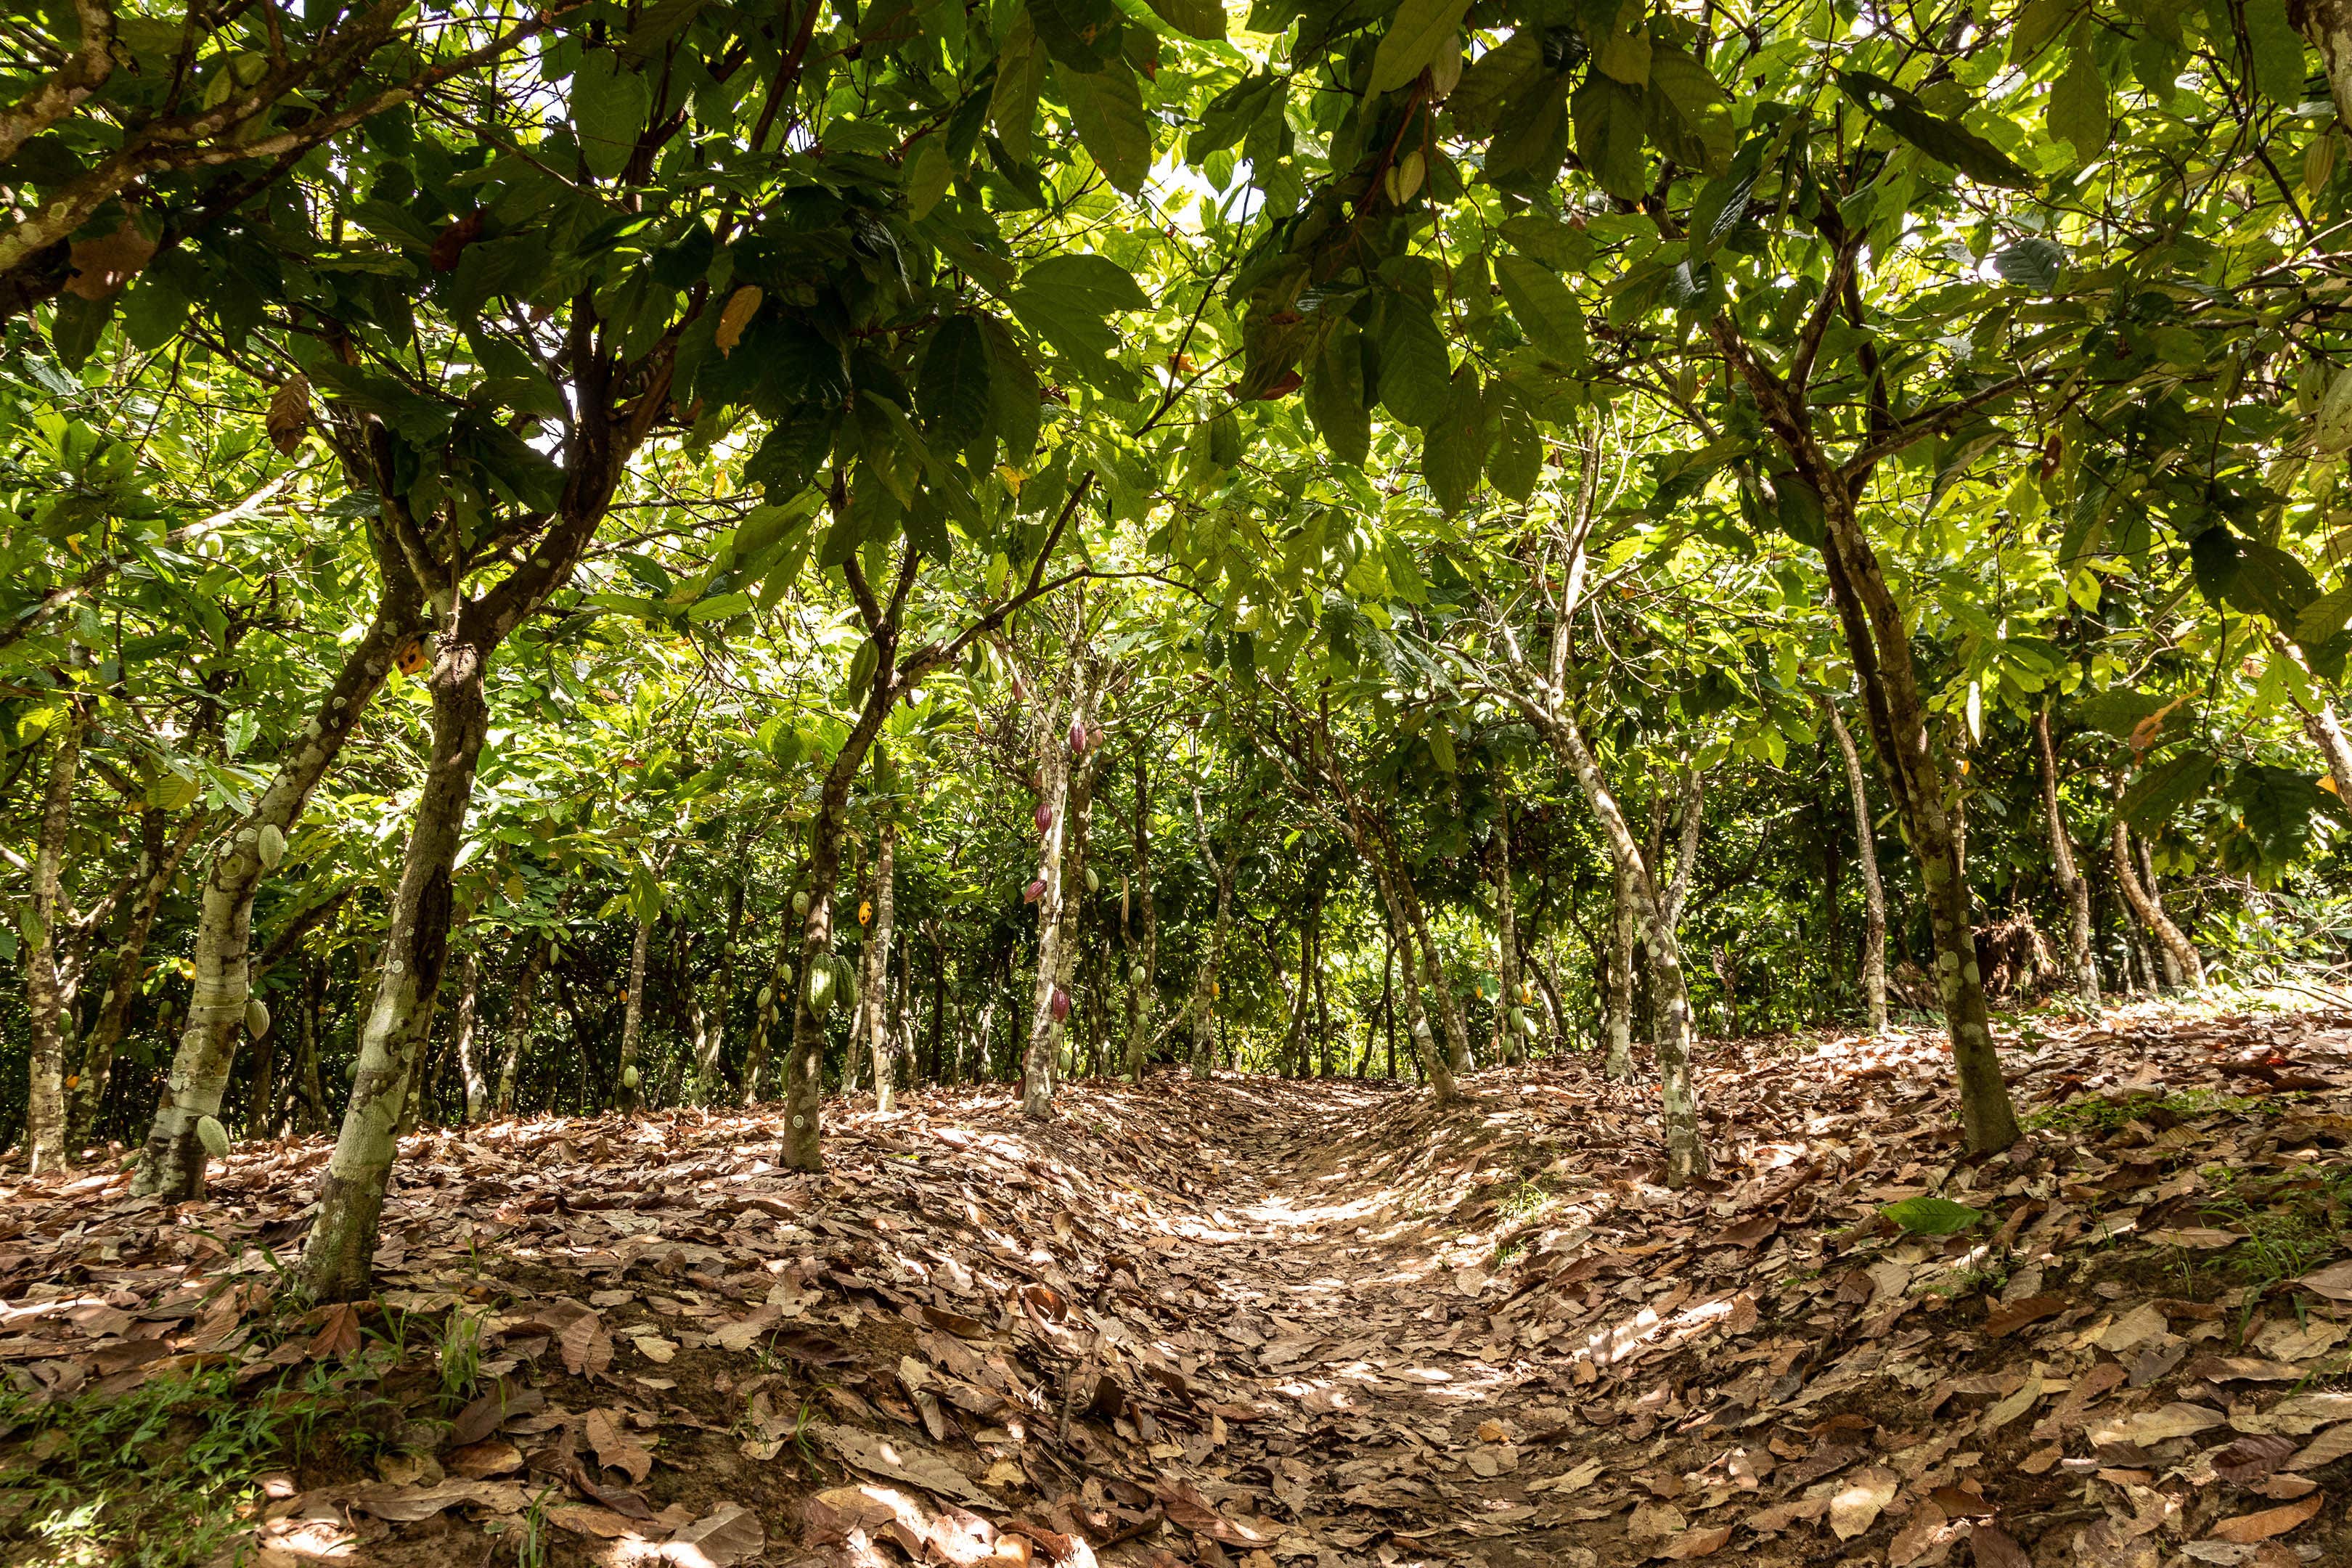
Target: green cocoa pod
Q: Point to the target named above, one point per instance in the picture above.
(271, 846)
(213, 1136)
(767, 995)
(1094, 880)
(257, 1016)
(820, 989)
(801, 905)
(629, 1078)
(351, 1070)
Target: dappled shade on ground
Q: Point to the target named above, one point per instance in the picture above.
(1250, 1321)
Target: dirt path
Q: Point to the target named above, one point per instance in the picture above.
(1274, 1324)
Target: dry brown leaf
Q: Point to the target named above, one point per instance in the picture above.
(1857, 1505)
(1703, 1542)
(616, 1446)
(1996, 1548)
(479, 1461)
(727, 1535)
(2018, 1314)
(2325, 1449)
(339, 1334)
(587, 1349)
(2249, 1527)
(584, 1519)
(103, 265)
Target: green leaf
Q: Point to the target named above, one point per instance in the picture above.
(1933, 1216)
(1088, 283)
(1334, 396)
(2078, 106)
(1083, 34)
(1945, 141)
(1545, 308)
(1418, 30)
(1415, 370)
(2325, 616)
(1516, 461)
(1610, 129)
(1012, 389)
(76, 326)
(1013, 101)
(1557, 245)
(2032, 263)
(609, 108)
(1454, 449)
(2162, 790)
(718, 607)
(2277, 51)
(954, 390)
(928, 172)
(1107, 107)
(1690, 114)
(2037, 23)
(1193, 19)
(2270, 582)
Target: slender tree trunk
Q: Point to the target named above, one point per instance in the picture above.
(1506, 966)
(2083, 966)
(1207, 989)
(159, 867)
(710, 1037)
(470, 1064)
(336, 1262)
(880, 1038)
(1873, 892)
(313, 1093)
(173, 1165)
(518, 1018)
(775, 994)
(1425, 1053)
(633, 1013)
(2181, 960)
(1039, 1066)
(1450, 1015)
(1617, 1012)
(45, 995)
(1141, 919)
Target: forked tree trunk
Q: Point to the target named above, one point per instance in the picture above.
(518, 1019)
(173, 1163)
(1450, 1016)
(45, 996)
(1140, 927)
(1873, 892)
(159, 867)
(336, 1261)
(469, 1064)
(1070, 926)
(1687, 1159)
(2182, 963)
(2082, 966)
(1425, 1051)
(879, 1034)
(1617, 1006)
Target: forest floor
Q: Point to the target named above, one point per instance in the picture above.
(1256, 1322)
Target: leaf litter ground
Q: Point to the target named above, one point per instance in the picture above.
(1260, 1322)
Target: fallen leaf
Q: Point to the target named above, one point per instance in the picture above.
(2325, 1449)
(583, 1518)
(587, 1349)
(340, 1334)
(2148, 1427)
(2016, 1314)
(2335, 1283)
(616, 1446)
(1703, 1542)
(2196, 1237)
(1994, 1547)
(2248, 1528)
(1656, 1522)
(478, 1461)
(901, 1460)
(2249, 1458)
(1856, 1506)
(727, 1535)
(408, 1504)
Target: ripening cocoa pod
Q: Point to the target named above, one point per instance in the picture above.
(1094, 737)
(801, 905)
(1044, 817)
(1060, 1006)
(257, 1016)
(270, 845)
(865, 911)
(213, 1136)
(1077, 737)
(1033, 891)
(629, 1078)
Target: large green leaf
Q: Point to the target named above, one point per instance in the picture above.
(1945, 141)
(954, 394)
(1418, 30)
(2165, 788)
(609, 108)
(1335, 397)
(1546, 308)
(1453, 447)
(2277, 51)
(1415, 369)
(1193, 19)
(1609, 128)
(1690, 115)
(1106, 106)
(1083, 34)
(2078, 106)
(1933, 1216)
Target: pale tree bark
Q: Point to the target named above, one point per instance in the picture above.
(1873, 892)
(874, 992)
(1450, 1015)
(632, 1012)
(2182, 963)
(519, 1011)
(1207, 989)
(2079, 959)
(469, 1064)
(159, 860)
(337, 1260)
(1425, 1051)
(1139, 924)
(1038, 1066)
(710, 1022)
(172, 1162)
(1617, 1004)
(45, 996)
(1878, 640)
(1069, 924)
(2327, 23)
(313, 996)
(1506, 950)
